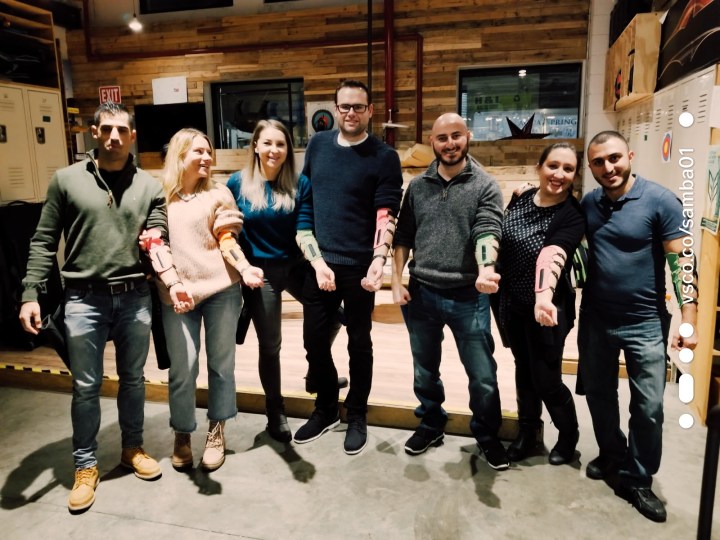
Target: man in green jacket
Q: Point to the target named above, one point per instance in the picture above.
(102, 204)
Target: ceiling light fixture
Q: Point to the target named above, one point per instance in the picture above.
(135, 24)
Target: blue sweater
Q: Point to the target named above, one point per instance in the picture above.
(270, 234)
(349, 185)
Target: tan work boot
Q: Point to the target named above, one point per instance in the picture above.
(214, 455)
(182, 452)
(143, 465)
(82, 495)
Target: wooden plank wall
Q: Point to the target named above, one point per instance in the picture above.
(325, 46)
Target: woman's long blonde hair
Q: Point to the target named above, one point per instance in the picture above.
(174, 169)
(283, 187)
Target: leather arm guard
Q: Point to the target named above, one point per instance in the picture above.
(681, 284)
(550, 264)
(385, 228)
(486, 250)
(307, 243)
(232, 253)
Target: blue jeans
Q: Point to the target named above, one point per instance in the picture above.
(467, 313)
(644, 344)
(91, 318)
(319, 328)
(219, 313)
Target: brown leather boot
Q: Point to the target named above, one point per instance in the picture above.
(182, 451)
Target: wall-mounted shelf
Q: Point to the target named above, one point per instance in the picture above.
(631, 63)
(27, 31)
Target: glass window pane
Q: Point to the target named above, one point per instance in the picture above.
(490, 99)
(237, 107)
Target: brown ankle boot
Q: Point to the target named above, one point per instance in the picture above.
(182, 452)
(214, 455)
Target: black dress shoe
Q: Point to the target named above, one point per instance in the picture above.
(311, 385)
(644, 501)
(602, 468)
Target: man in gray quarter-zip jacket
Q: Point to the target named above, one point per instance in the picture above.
(102, 205)
(451, 220)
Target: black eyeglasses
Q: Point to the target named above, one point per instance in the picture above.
(344, 108)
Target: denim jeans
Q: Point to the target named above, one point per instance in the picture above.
(319, 325)
(467, 313)
(91, 318)
(219, 314)
(644, 344)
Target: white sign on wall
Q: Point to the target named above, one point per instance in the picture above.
(169, 90)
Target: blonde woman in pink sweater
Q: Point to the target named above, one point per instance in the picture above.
(203, 224)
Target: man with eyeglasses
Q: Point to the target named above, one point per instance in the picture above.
(357, 186)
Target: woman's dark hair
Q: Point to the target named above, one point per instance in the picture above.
(555, 146)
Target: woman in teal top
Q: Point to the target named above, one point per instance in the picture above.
(277, 236)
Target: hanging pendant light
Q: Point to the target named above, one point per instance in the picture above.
(135, 24)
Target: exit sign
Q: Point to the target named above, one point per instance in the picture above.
(110, 93)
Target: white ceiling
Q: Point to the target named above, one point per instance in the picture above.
(119, 12)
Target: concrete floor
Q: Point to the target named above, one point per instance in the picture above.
(267, 490)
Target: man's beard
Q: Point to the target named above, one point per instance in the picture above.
(449, 163)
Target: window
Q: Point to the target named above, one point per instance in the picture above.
(165, 6)
(490, 97)
(237, 107)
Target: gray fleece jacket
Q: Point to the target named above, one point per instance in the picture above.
(441, 221)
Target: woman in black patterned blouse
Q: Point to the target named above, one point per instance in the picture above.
(542, 228)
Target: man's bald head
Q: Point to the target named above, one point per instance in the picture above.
(450, 140)
(449, 119)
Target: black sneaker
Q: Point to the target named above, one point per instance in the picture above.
(311, 385)
(356, 435)
(601, 468)
(495, 454)
(644, 501)
(318, 424)
(422, 439)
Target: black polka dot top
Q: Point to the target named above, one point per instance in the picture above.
(523, 231)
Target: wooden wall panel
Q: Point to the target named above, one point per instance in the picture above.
(325, 46)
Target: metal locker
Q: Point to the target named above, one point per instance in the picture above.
(16, 157)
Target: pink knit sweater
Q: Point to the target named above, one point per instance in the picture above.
(194, 227)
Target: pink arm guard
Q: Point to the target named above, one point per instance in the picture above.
(550, 264)
(159, 252)
(385, 224)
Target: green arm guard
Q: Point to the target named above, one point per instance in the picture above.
(673, 260)
(674, 265)
(308, 245)
(579, 263)
(486, 248)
